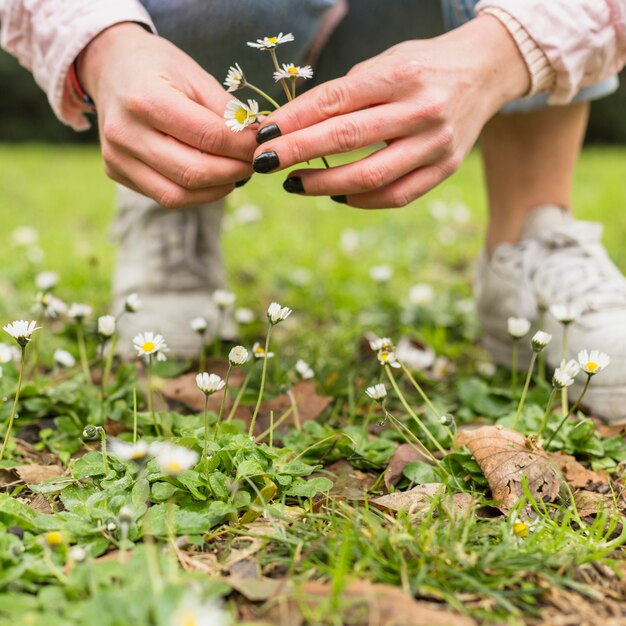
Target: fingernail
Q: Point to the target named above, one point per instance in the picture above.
(340, 199)
(268, 132)
(242, 182)
(293, 184)
(265, 162)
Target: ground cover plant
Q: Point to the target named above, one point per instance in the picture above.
(155, 499)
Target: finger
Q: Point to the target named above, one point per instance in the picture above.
(341, 134)
(184, 165)
(138, 176)
(372, 172)
(333, 98)
(402, 191)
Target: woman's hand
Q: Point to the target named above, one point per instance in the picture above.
(427, 100)
(160, 117)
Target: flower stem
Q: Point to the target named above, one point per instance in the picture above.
(546, 415)
(514, 360)
(420, 391)
(282, 80)
(570, 412)
(520, 406)
(109, 362)
(262, 94)
(103, 449)
(240, 393)
(134, 415)
(420, 447)
(206, 435)
(82, 351)
(262, 388)
(223, 404)
(157, 427)
(410, 411)
(15, 401)
(564, 391)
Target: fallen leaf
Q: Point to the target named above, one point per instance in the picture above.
(35, 474)
(258, 589)
(577, 475)
(404, 455)
(40, 504)
(412, 500)
(612, 429)
(240, 554)
(590, 503)
(505, 457)
(348, 483)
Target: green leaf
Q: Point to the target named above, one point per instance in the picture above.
(88, 465)
(248, 468)
(309, 488)
(14, 513)
(421, 473)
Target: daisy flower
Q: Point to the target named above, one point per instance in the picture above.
(77, 554)
(276, 313)
(106, 325)
(593, 362)
(381, 273)
(239, 115)
(198, 325)
(24, 236)
(235, 78)
(386, 357)
(381, 343)
(571, 367)
(304, 370)
(244, 316)
(561, 379)
(21, 331)
(540, 340)
(192, 613)
(223, 298)
(415, 358)
(132, 304)
(517, 327)
(267, 43)
(46, 281)
(173, 460)
(209, 383)
(129, 451)
(377, 392)
(63, 358)
(238, 356)
(49, 305)
(421, 295)
(79, 311)
(293, 71)
(259, 351)
(148, 344)
(565, 313)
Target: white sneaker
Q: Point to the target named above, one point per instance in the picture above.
(559, 261)
(173, 260)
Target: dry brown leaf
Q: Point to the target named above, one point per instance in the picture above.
(241, 554)
(505, 457)
(257, 589)
(577, 475)
(404, 455)
(348, 483)
(412, 500)
(35, 474)
(590, 502)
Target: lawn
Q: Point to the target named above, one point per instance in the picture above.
(340, 510)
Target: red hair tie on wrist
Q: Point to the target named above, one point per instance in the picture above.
(81, 94)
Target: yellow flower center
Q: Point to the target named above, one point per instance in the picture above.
(592, 366)
(188, 619)
(174, 467)
(384, 357)
(241, 116)
(259, 351)
(148, 346)
(138, 455)
(54, 538)
(272, 39)
(520, 529)
(292, 70)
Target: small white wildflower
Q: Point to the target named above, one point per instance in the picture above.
(381, 273)
(132, 304)
(149, 343)
(446, 420)
(386, 357)
(79, 311)
(565, 313)
(223, 298)
(571, 367)
(35, 255)
(77, 554)
(304, 370)
(381, 343)
(517, 327)
(192, 613)
(521, 529)
(129, 451)
(238, 356)
(21, 331)
(267, 43)
(106, 326)
(259, 351)
(377, 392)
(244, 316)
(173, 460)
(540, 340)
(593, 362)
(209, 383)
(442, 368)
(350, 240)
(421, 295)
(291, 71)
(239, 115)
(49, 305)
(414, 358)
(561, 379)
(24, 236)
(7, 353)
(486, 369)
(234, 79)
(63, 358)
(46, 281)
(198, 325)
(276, 313)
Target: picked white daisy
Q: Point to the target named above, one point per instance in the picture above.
(106, 326)
(267, 43)
(238, 356)
(517, 327)
(209, 383)
(277, 313)
(377, 392)
(304, 370)
(79, 311)
(234, 79)
(381, 343)
(63, 358)
(148, 344)
(540, 341)
(239, 115)
(46, 281)
(21, 331)
(289, 70)
(173, 460)
(421, 295)
(199, 325)
(381, 273)
(130, 451)
(259, 352)
(386, 357)
(571, 367)
(132, 304)
(49, 305)
(192, 613)
(593, 362)
(561, 379)
(244, 316)
(223, 298)
(565, 313)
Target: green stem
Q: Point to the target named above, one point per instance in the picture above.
(410, 411)
(546, 415)
(240, 393)
(103, 449)
(157, 426)
(271, 429)
(400, 427)
(296, 413)
(262, 94)
(531, 367)
(15, 401)
(109, 361)
(134, 415)
(223, 404)
(570, 412)
(206, 435)
(262, 388)
(82, 351)
(277, 66)
(564, 391)
(514, 361)
(293, 88)
(420, 391)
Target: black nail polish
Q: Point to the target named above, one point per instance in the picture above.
(340, 199)
(293, 184)
(242, 182)
(268, 132)
(265, 162)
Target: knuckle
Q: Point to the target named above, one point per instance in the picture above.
(296, 152)
(435, 110)
(332, 99)
(169, 198)
(372, 178)
(451, 164)
(212, 139)
(347, 135)
(400, 198)
(139, 104)
(114, 131)
(190, 177)
(446, 138)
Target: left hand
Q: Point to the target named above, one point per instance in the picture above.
(427, 100)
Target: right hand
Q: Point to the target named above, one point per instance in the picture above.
(160, 117)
